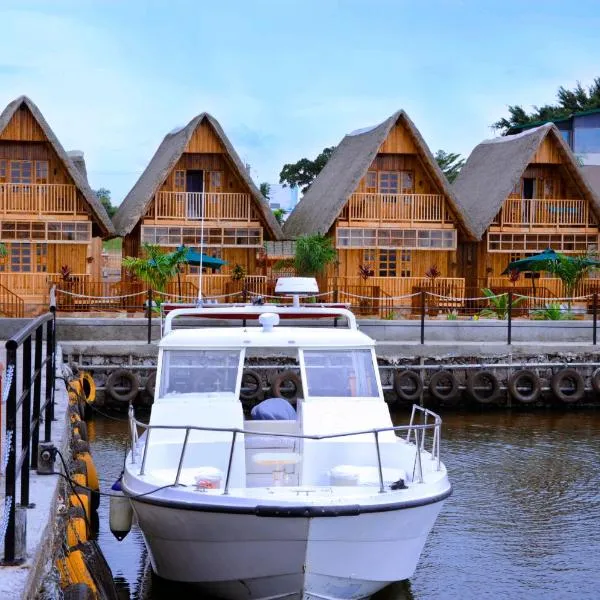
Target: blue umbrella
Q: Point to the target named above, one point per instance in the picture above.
(196, 258)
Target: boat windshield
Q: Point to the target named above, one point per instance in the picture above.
(340, 373)
(199, 371)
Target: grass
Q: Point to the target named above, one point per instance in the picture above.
(114, 244)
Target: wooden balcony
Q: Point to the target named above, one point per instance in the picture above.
(408, 209)
(192, 206)
(39, 199)
(537, 213)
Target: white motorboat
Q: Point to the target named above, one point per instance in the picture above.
(331, 501)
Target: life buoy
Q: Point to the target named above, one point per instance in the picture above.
(524, 377)
(113, 384)
(596, 381)
(483, 386)
(150, 385)
(577, 387)
(443, 385)
(411, 380)
(251, 388)
(88, 386)
(284, 379)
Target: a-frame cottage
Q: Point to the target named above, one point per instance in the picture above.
(390, 211)
(522, 194)
(51, 223)
(196, 191)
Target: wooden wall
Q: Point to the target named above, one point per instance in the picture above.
(23, 126)
(399, 141)
(204, 139)
(549, 152)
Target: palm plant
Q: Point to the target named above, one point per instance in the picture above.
(157, 267)
(313, 254)
(554, 311)
(571, 270)
(498, 304)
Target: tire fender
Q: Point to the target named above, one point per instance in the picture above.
(449, 396)
(520, 376)
(277, 384)
(568, 374)
(255, 380)
(412, 377)
(475, 379)
(113, 379)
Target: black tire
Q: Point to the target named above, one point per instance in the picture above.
(578, 386)
(413, 379)
(113, 381)
(448, 394)
(281, 380)
(255, 390)
(596, 381)
(519, 378)
(476, 380)
(150, 385)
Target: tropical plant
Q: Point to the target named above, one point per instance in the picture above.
(65, 273)
(450, 163)
(432, 273)
(156, 267)
(570, 270)
(513, 276)
(365, 271)
(3, 250)
(238, 273)
(313, 254)
(279, 214)
(498, 304)
(452, 315)
(554, 311)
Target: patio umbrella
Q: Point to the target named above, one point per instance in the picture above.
(193, 257)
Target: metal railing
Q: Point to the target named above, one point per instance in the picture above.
(417, 431)
(22, 450)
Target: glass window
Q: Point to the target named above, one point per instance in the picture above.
(340, 373)
(199, 372)
(216, 179)
(387, 263)
(20, 171)
(3, 170)
(388, 182)
(180, 180)
(408, 182)
(371, 182)
(41, 171)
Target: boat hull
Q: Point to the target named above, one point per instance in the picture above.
(246, 556)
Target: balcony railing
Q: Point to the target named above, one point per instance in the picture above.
(540, 213)
(192, 206)
(397, 208)
(47, 198)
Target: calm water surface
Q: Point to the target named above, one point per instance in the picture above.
(523, 522)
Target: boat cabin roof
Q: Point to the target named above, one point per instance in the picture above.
(257, 337)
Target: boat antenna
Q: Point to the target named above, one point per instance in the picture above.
(201, 246)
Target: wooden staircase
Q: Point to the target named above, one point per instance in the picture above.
(11, 305)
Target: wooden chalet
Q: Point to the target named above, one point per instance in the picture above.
(388, 207)
(196, 191)
(522, 194)
(51, 222)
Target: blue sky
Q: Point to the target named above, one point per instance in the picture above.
(285, 78)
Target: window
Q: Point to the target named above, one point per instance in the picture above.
(69, 232)
(517, 243)
(41, 171)
(21, 171)
(407, 182)
(179, 183)
(433, 239)
(199, 372)
(387, 263)
(388, 182)
(20, 258)
(3, 170)
(340, 374)
(371, 182)
(405, 263)
(216, 178)
(212, 236)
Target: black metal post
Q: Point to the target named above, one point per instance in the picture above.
(595, 317)
(50, 374)
(25, 422)
(11, 442)
(150, 315)
(510, 302)
(37, 392)
(422, 317)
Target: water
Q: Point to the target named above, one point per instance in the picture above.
(523, 522)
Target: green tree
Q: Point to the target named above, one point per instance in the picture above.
(304, 172)
(279, 214)
(570, 270)
(450, 163)
(313, 254)
(157, 267)
(265, 190)
(568, 101)
(104, 196)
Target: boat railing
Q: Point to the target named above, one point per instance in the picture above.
(414, 431)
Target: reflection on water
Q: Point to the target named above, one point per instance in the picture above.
(523, 522)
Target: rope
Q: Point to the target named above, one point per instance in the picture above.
(460, 299)
(101, 297)
(281, 297)
(380, 298)
(554, 299)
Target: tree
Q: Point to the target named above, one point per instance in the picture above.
(313, 254)
(279, 214)
(156, 267)
(450, 163)
(265, 190)
(104, 196)
(304, 172)
(568, 101)
(571, 270)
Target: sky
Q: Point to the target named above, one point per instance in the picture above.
(285, 78)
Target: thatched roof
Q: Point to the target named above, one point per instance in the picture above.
(168, 153)
(328, 194)
(494, 168)
(101, 217)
